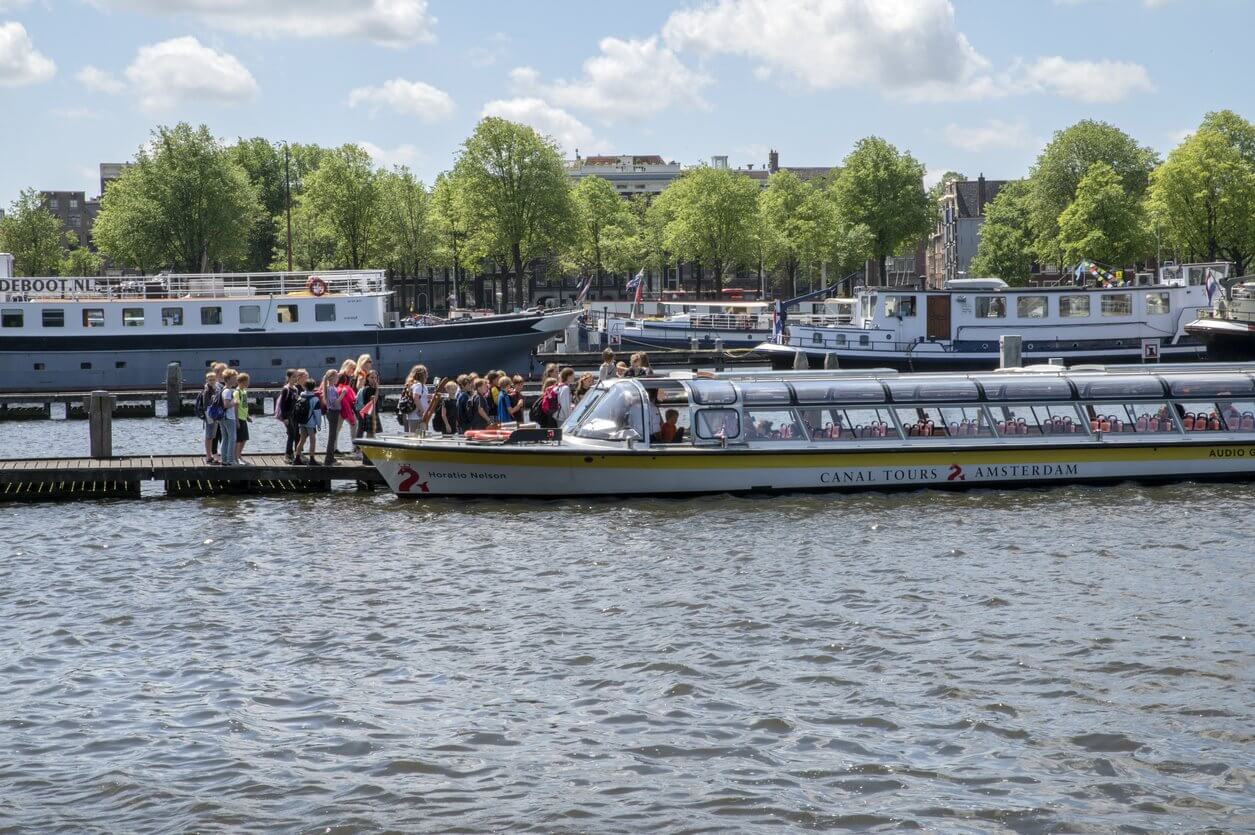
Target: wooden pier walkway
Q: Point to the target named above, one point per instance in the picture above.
(52, 479)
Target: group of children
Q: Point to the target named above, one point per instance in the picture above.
(223, 406)
(350, 395)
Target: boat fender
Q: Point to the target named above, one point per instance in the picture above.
(316, 285)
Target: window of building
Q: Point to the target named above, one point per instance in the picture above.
(991, 307)
(900, 306)
(1158, 303)
(250, 314)
(73, 203)
(93, 317)
(287, 314)
(11, 318)
(132, 317)
(172, 317)
(1074, 307)
(211, 315)
(54, 318)
(1117, 304)
(76, 221)
(325, 312)
(1130, 417)
(53, 203)
(1032, 307)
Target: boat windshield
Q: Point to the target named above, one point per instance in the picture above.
(618, 408)
(828, 391)
(581, 410)
(1142, 385)
(712, 392)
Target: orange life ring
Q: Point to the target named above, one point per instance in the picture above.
(316, 285)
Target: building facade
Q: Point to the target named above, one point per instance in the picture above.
(75, 212)
(953, 244)
(629, 174)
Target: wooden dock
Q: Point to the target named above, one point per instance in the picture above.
(59, 479)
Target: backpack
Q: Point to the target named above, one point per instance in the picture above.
(217, 409)
(302, 413)
(464, 409)
(360, 401)
(549, 402)
(283, 405)
(202, 403)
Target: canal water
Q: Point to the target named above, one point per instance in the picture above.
(1063, 660)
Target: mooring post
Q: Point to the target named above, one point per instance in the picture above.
(174, 390)
(1009, 350)
(831, 361)
(800, 361)
(100, 423)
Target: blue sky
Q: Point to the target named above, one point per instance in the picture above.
(974, 85)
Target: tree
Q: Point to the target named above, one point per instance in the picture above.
(185, 203)
(263, 163)
(517, 191)
(1055, 177)
(797, 223)
(713, 218)
(605, 230)
(883, 190)
(450, 225)
(1103, 222)
(313, 247)
(1203, 196)
(79, 260)
(405, 233)
(32, 235)
(343, 195)
(1006, 239)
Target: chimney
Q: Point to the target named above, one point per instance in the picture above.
(980, 195)
(773, 161)
(751, 166)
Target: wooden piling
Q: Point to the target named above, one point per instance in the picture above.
(174, 390)
(100, 423)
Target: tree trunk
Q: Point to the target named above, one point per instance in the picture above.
(516, 254)
(431, 290)
(697, 279)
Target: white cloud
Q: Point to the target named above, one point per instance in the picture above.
(995, 133)
(906, 47)
(405, 154)
(386, 22)
(20, 62)
(183, 69)
(98, 80)
(628, 79)
(1093, 82)
(409, 98)
(569, 132)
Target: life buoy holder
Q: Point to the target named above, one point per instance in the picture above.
(316, 285)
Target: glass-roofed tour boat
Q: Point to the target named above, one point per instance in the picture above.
(846, 430)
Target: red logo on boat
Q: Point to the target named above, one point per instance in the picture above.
(956, 473)
(411, 480)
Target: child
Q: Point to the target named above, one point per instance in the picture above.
(606, 371)
(668, 431)
(229, 417)
(241, 414)
(285, 403)
(206, 397)
(308, 416)
(446, 418)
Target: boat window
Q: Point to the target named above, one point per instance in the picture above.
(1038, 419)
(172, 317)
(833, 424)
(1111, 387)
(765, 393)
(325, 312)
(932, 391)
(619, 408)
(11, 318)
(1117, 304)
(1074, 307)
(712, 392)
(1211, 386)
(250, 314)
(287, 314)
(991, 307)
(1130, 417)
(1158, 303)
(817, 338)
(132, 317)
(951, 421)
(54, 318)
(93, 317)
(1007, 388)
(1032, 307)
(581, 410)
(716, 424)
(900, 306)
(211, 315)
(829, 391)
(773, 425)
(864, 339)
(1217, 416)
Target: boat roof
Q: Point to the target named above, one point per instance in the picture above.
(720, 303)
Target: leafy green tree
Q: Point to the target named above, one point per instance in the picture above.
(1006, 239)
(263, 163)
(185, 203)
(1062, 164)
(797, 224)
(343, 195)
(606, 230)
(313, 246)
(1203, 196)
(1103, 222)
(883, 190)
(32, 235)
(517, 191)
(405, 231)
(712, 218)
(79, 260)
(451, 226)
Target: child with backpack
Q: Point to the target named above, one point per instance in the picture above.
(285, 403)
(241, 414)
(225, 409)
(545, 410)
(307, 415)
(206, 397)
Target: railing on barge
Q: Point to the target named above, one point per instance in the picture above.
(193, 285)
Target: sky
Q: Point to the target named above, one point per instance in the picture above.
(976, 86)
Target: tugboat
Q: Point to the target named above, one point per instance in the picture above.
(1228, 329)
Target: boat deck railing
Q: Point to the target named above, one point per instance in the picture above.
(200, 285)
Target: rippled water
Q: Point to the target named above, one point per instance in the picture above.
(1076, 659)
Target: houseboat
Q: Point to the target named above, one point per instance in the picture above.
(957, 328)
(685, 324)
(82, 333)
(1228, 329)
(852, 430)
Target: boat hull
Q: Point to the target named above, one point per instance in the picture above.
(29, 364)
(415, 469)
(1226, 340)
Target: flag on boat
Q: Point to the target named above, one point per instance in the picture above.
(1078, 275)
(1210, 284)
(579, 300)
(637, 282)
(777, 324)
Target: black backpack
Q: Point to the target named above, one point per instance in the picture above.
(405, 405)
(301, 414)
(202, 403)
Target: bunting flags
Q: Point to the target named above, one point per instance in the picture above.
(1102, 277)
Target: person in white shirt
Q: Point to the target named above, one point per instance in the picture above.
(606, 371)
(655, 416)
(416, 382)
(564, 394)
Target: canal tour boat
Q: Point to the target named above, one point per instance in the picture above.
(72, 334)
(851, 430)
(957, 328)
(1228, 329)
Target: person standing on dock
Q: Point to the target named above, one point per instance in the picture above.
(203, 401)
(229, 416)
(416, 385)
(308, 415)
(241, 414)
(329, 393)
(285, 405)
